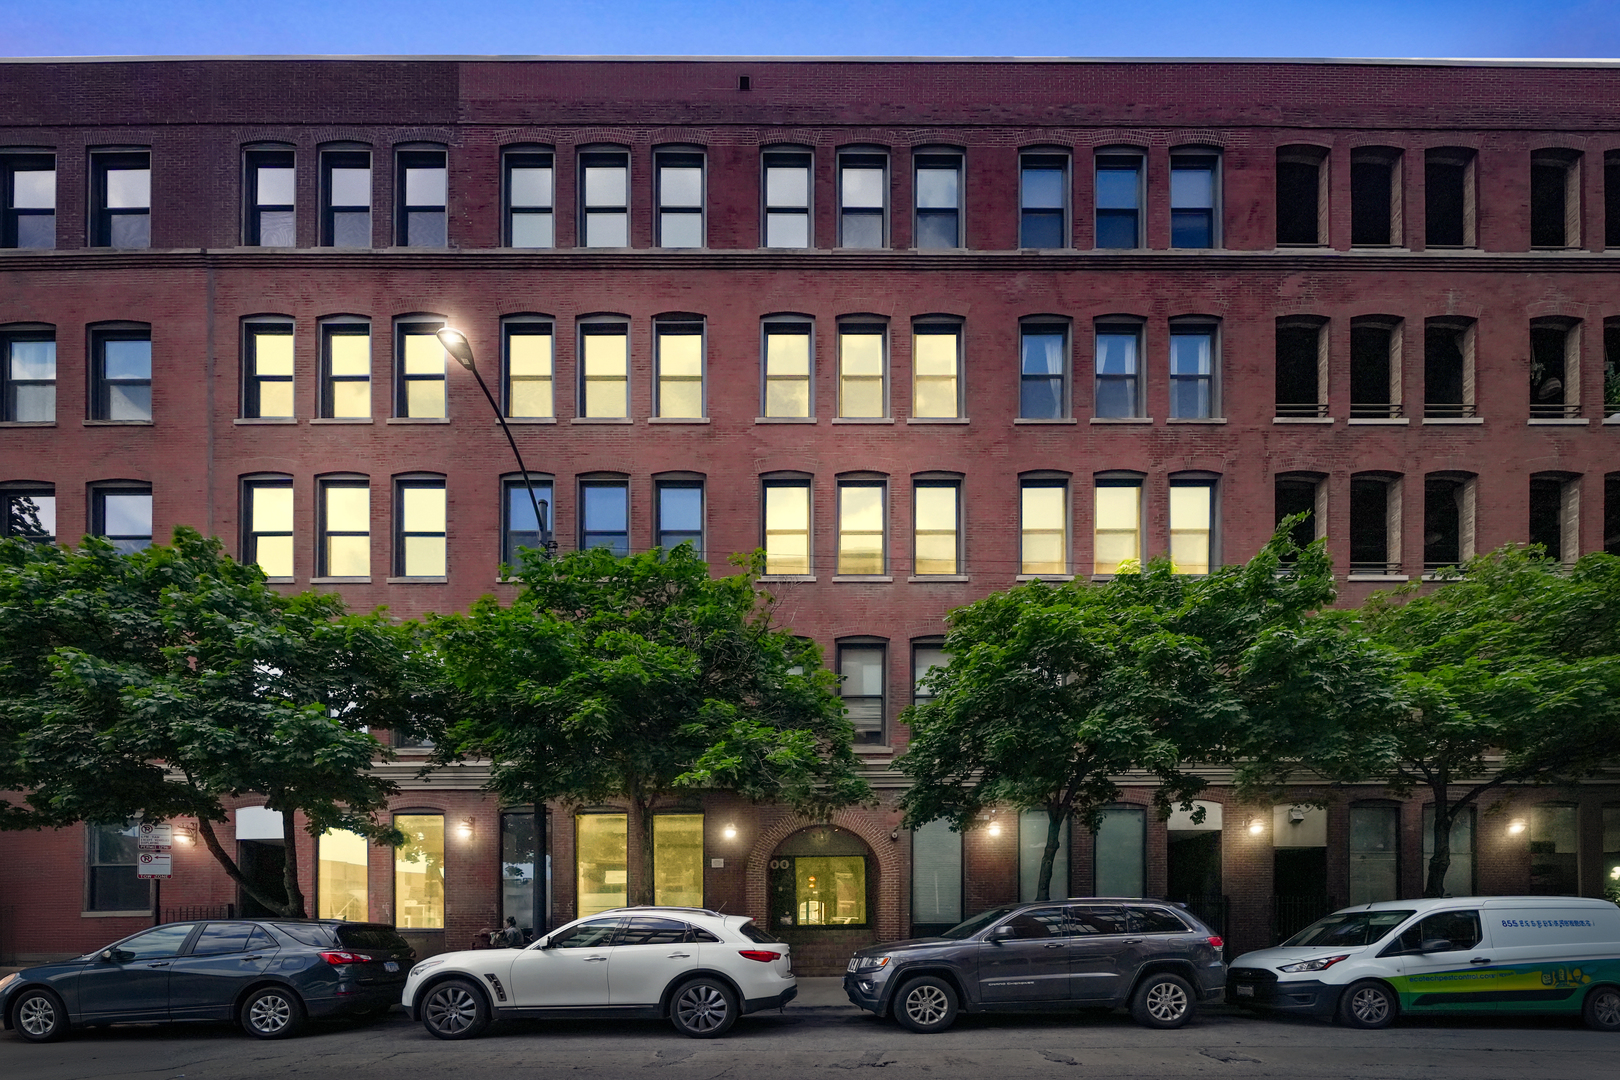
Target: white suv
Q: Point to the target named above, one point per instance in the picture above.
(697, 967)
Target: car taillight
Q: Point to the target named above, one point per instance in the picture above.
(345, 957)
(759, 954)
(1216, 941)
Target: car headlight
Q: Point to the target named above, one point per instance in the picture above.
(424, 966)
(870, 963)
(9, 979)
(1321, 963)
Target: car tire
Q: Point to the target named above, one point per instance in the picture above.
(925, 1005)
(703, 1009)
(39, 1016)
(274, 1012)
(1601, 1010)
(1163, 1001)
(455, 1009)
(1369, 1005)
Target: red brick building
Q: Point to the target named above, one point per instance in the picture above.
(922, 329)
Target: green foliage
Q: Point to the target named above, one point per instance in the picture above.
(641, 678)
(167, 681)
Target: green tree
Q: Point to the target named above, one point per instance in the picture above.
(1051, 693)
(640, 678)
(167, 681)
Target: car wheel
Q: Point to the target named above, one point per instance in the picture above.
(703, 1009)
(455, 1009)
(272, 1013)
(1163, 1001)
(925, 1005)
(1602, 1009)
(1368, 1005)
(39, 1016)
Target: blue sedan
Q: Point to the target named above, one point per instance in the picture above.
(270, 975)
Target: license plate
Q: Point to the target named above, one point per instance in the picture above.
(391, 966)
(852, 964)
(1245, 991)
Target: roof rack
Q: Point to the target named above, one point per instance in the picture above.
(661, 907)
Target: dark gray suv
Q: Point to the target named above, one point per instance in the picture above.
(1058, 954)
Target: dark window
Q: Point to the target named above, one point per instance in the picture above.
(680, 200)
(30, 201)
(422, 191)
(1299, 369)
(312, 934)
(862, 683)
(1370, 527)
(1448, 198)
(1119, 201)
(530, 200)
(1296, 495)
(1374, 197)
(1039, 923)
(1547, 514)
(939, 194)
(1192, 373)
(1118, 382)
(1611, 513)
(643, 930)
(863, 190)
(680, 514)
(29, 375)
(1089, 919)
(604, 515)
(156, 944)
(267, 370)
(270, 187)
(596, 934)
(518, 527)
(701, 936)
(1044, 369)
(362, 936)
(28, 513)
(758, 934)
(1611, 199)
(1150, 920)
(1192, 201)
(1551, 394)
(1371, 371)
(111, 851)
(123, 516)
(1460, 928)
(1301, 172)
(1043, 186)
(1442, 521)
(1611, 368)
(346, 198)
(122, 375)
(1554, 198)
(121, 190)
(787, 200)
(605, 206)
(219, 938)
(1445, 371)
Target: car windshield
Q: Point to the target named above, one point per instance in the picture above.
(1348, 929)
(962, 931)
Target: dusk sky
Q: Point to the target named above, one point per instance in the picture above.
(1296, 28)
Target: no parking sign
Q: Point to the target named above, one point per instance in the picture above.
(153, 864)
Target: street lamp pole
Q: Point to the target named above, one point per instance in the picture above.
(456, 344)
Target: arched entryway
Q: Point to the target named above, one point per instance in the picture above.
(822, 888)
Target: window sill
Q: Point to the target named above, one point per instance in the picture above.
(784, 419)
(936, 419)
(530, 420)
(1615, 419)
(601, 420)
(1444, 420)
(872, 748)
(118, 423)
(417, 580)
(280, 581)
(1380, 421)
(1037, 421)
(787, 577)
(27, 423)
(863, 419)
(1121, 420)
(417, 420)
(1044, 577)
(255, 421)
(1558, 421)
(1196, 420)
(872, 579)
(679, 420)
(341, 420)
(1377, 577)
(147, 914)
(1302, 419)
(923, 579)
(340, 580)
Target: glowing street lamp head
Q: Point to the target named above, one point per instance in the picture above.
(455, 343)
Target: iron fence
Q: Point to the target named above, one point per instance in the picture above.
(1211, 910)
(1291, 914)
(196, 912)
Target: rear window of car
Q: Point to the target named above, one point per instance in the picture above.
(756, 933)
(370, 936)
(312, 934)
(1151, 920)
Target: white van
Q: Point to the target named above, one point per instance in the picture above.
(1368, 964)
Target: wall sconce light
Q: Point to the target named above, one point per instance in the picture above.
(1296, 815)
(995, 828)
(465, 829)
(1516, 826)
(1256, 827)
(729, 832)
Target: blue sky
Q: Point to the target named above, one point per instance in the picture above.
(1448, 28)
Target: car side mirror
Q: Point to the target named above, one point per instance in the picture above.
(117, 956)
(1003, 933)
(1434, 944)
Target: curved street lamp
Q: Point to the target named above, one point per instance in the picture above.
(456, 344)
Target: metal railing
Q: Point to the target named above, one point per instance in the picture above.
(1301, 408)
(1381, 569)
(1556, 411)
(1211, 910)
(1448, 410)
(1370, 410)
(196, 912)
(1291, 914)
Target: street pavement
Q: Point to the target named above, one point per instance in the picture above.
(819, 1035)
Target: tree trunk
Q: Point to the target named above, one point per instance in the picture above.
(641, 810)
(289, 873)
(1440, 861)
(205, 829)
(1055, 817)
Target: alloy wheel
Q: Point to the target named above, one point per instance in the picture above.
(1370, 1005)
(1166, 1002)
(926, 1005)
(1606, 1008)
(37, 1016)
(270, 1014)
(452, 1009)
(701, 1008)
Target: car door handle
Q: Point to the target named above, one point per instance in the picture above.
(1480, 960)
(678, 956)
(1055, 945)
(245, 959)
(596, 959)
(1132, 941)
(163, 963)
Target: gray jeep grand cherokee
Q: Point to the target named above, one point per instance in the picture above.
(1049, 955)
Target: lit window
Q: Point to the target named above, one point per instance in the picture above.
(605, 374)
(935, 367)
(123, 517)
(819, 878)
(1044, 528)
(112, 851)
(1192, 201)
(861, 532)
(530, 201)
(419, 538)
(341, 886)
(346, 199)
(423, 183)
(529, 360)
(268, 515)
(861, 684)
(1192, 505)
(1119, 200)
(421, 371)
(860, 371)
(345, 528)
(862, 198)
(267, 384)
(605, 516)
(346, 370)
(122, 375)
(678, 860)
(29, 513)
(1043, 184)
(607, 199)
(122, 192)
(29, 374)
(935, 524)
(680, 200)
(1118, 536)
(419, 872)
(1043, 367)
(1192, 373)
(601, 852)
(271, 199)
(787, 200)
(939, 206)
(787, 369)
(680, 369)
(30, 200)
(1118, 388)
(787, 528)
(680, 514)
(518, 526)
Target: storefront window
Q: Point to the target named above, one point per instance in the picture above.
(1032, 826)
(1553, 850)
(601, 844)
(678, 860)
(1120, 845)
(340, 888)
(819, 877)
(419, 872)
(936, 878)
(517, 867)
(111, 851)
(1374, 856)
(1460, 876)
(1611, 853)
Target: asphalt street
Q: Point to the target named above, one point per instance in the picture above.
(820, 1038)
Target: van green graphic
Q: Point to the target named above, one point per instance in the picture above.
(1528, 986)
